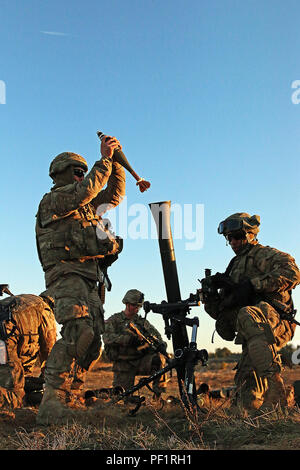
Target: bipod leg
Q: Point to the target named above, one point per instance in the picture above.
(137, 407)
(191, 357)
(189, 401)
(145, 381)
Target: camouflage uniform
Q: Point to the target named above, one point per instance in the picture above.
(72, 241)
(31, 335)
(256, 323)
(128, 356)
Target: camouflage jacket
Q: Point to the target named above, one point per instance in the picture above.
(69, 218)
(117, 339)
(272, 273)
(33, 328)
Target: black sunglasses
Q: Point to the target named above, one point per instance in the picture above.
(79, 173)
(238, 235)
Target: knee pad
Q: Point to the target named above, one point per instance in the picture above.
(84, 342)
(79, 335)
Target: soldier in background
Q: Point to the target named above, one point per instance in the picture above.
(27, 335)
(125, 349)
(71, 239)
(255, 308)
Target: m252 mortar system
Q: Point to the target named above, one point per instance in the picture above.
(174, 312)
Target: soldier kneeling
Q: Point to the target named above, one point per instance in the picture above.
(129, 356)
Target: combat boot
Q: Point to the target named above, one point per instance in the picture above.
(277, 393)
(53, 408)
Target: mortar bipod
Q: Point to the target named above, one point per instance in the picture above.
(190, 356)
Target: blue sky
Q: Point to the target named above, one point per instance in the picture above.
(199, 94)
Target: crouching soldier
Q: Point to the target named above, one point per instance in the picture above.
(27, 335)
(126, 350)
(255, 308)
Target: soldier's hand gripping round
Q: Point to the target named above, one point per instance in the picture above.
(108, 146)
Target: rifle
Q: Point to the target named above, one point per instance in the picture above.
(104, 264)
(6, 314)
(147, 340)
(211, 284)
(209, 293)
(288, 316)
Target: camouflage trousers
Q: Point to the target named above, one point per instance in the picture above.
(79, 310)
(12, 378)
(126, 371)
(262, 334)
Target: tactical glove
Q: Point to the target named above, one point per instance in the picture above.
(108, 260)
(133, 340)
(225, 326)
(221, 281)
(210, 293)
(212, 307)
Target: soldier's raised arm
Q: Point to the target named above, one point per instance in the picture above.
(114, 192)
(72, 189)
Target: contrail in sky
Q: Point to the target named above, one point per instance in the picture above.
(54, 33)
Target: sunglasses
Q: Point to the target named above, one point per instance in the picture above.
(79, 173)
(238, 235)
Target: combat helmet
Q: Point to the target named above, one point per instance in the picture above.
(62, 161)
(240, 221)
(133, 296)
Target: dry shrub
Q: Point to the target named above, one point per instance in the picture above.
(68, 437)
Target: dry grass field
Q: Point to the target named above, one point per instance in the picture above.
(167, 427)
